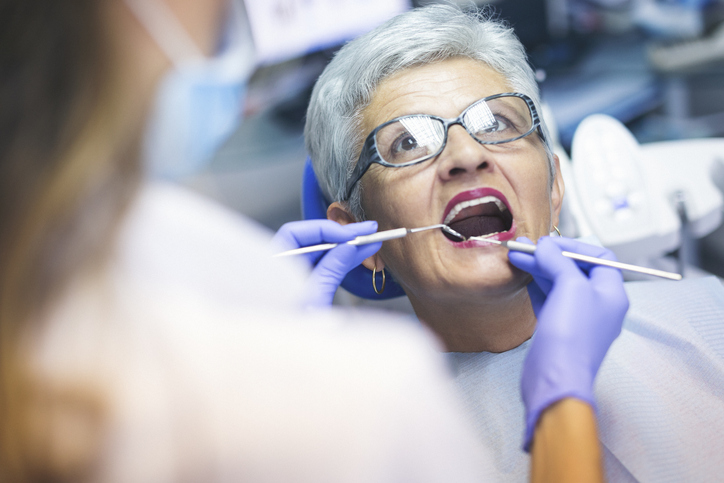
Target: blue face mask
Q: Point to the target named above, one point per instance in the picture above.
(200, 101)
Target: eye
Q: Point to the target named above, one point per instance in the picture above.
(409, 138)
(501, 124)
(405, 142)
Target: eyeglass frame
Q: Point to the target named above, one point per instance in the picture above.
(372, 155)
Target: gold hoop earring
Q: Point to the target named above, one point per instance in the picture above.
(557, 230)
(374, 281)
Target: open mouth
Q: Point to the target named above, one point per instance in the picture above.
(478, 216)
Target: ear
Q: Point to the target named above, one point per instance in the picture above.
(557, 191)
(340, 213)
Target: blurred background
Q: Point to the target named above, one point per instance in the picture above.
(655, 66)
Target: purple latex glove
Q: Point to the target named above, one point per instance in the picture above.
(332, 266)
(580, 310)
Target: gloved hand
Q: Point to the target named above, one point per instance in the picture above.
(580, 310)
(332, 266)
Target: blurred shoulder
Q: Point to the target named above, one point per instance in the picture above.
(173, 238)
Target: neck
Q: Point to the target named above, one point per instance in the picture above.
(497, 324)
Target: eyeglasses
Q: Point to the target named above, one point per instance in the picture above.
(408, 140)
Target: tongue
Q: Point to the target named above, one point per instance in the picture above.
(478, 226)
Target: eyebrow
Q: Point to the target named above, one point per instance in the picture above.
(413, 113)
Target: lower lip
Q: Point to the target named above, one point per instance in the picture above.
(504, 236)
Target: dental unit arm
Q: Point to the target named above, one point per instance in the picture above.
(630, 196)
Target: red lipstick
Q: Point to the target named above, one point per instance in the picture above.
(476, 194)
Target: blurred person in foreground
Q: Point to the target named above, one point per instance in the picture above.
(146, 334)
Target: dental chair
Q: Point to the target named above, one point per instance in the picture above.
(643, 201)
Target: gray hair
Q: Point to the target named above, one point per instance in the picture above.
(420, 36)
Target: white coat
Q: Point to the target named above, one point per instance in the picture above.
(209, 371)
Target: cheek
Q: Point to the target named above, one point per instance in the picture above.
(541, 188)
(537, 191)
(532, 187)
(395, 196)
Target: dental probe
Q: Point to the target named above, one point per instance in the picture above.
(524, 247)
(380, 236)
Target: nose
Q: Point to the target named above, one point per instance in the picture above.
(463, 155)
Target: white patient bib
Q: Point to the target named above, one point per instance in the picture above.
(660, 390)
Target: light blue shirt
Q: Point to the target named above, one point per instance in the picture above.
(660, 390)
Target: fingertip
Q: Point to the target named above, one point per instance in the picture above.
(346, 256)
(525, 239)
(369, 226)
(546, 240)
(609, 276)
(545, 244)
(362, 228)
(608, 255)
(584, 248)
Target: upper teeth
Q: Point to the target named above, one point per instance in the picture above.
(478, 201)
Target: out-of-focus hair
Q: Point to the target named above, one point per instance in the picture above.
(66, 176)
(421, 36)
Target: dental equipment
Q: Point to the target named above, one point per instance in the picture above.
(380, 236)
(524, 247)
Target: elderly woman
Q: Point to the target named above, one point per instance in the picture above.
(434, 118)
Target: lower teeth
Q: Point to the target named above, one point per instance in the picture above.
(483, 237)
(458, 235)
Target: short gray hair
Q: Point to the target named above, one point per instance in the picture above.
(420, 36)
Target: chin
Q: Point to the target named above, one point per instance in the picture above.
(490, 280)
(501, 282)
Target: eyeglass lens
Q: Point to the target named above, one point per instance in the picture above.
(412, 138)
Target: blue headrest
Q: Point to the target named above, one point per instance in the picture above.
(359, 280)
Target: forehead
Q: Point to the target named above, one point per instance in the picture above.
(443, 89)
